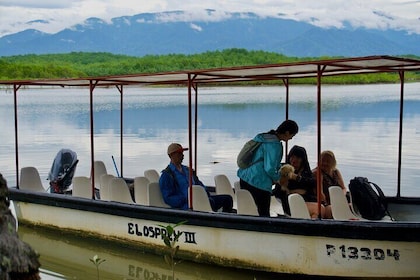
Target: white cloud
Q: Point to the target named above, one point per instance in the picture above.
(46, 4)
(17, 15)
(202, 15)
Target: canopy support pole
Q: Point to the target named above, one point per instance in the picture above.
(401, 74)
(120, 89)
(286, 84)
(195, 87)
(190, 143)
(318, 174)
(92, 145)
(15, 90)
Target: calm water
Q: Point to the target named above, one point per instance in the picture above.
(68, 257)
(360, 124)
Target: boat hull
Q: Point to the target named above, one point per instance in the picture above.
(283, 245)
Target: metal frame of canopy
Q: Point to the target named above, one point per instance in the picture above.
(192, 78)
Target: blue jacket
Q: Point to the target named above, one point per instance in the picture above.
(267, 162)
(174, 186)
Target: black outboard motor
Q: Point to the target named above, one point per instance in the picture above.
(62, 170)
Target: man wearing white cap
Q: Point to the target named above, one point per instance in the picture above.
(174, 183)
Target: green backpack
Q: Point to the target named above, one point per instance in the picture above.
(245, 156)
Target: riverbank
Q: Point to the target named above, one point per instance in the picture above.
(85, 64)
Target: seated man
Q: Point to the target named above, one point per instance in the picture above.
(174, 183)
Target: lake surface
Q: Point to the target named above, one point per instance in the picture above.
(359, 123)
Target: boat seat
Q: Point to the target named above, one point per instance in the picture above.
(118, 191)
(236, 186)
(276, 208)
(340, 207)
(200, 199)
(12, 209)
(105, 181)
(298, 208)
(30, 179)
(140, 190)
(223, 186)
(100, 169)
(152, 175)
(155, 195)
(246, 203)
(82, 187)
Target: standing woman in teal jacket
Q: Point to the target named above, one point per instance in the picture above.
(259, 178)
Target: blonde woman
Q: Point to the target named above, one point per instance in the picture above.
(330, 176)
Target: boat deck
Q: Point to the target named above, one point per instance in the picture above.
(405, 209)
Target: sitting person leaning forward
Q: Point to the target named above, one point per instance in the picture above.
(300, 181)
(174, 183)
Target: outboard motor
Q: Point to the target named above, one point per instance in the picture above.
(62, 170)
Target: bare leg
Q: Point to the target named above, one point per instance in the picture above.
(313, 210)
(328, 212)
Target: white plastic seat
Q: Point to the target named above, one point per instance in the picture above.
(298, 208)
(14, 214)
(155, 195)
(105, 181)
(340, 207)
(200, 200)
(276, 208)
(236, 186)
(223, 186)
(141, 195)
(82, 187)
(30, 179)
(246, 203)
(152, 175)
(118, 191)
(100, 169)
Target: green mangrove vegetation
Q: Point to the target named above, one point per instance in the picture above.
(87, 64)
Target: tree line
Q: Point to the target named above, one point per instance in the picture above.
(92, 64)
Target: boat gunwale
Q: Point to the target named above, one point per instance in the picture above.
(366, 230)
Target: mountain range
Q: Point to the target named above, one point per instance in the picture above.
(148, 34)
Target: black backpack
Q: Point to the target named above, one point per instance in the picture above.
(370, 204)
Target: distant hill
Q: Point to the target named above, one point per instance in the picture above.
(148, 34)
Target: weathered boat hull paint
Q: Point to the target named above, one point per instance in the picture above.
(281, 245)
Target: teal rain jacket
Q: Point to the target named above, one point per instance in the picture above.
(267, 162)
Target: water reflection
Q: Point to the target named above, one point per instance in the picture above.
(360, 124)
(67, 257)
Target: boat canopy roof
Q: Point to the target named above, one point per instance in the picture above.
(191, 78)
(295, 70)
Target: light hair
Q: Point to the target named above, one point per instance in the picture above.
(330, 154)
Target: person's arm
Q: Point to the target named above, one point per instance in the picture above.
(304, 181)
(314, 174)
(272, 158)
(341, 181)
(198, 182)
(170, 194)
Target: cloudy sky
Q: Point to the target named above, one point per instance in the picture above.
(53, 15)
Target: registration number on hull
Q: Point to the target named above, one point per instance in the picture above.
(364, 253)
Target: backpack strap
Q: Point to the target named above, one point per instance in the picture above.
(171, 173)
(381, 198)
